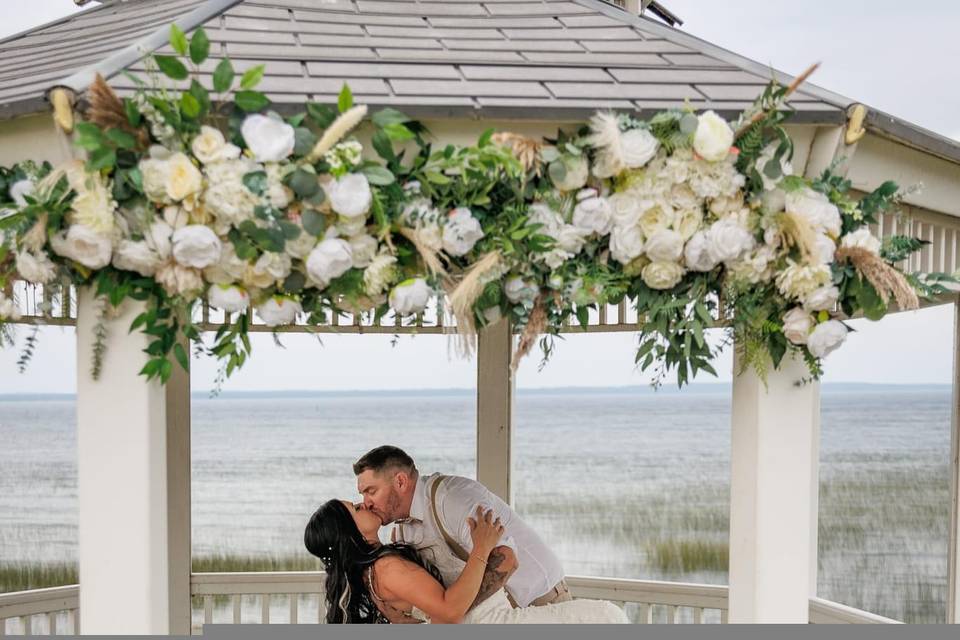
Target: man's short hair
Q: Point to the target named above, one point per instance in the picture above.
(383, 459)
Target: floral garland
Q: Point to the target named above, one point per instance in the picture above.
(183, 197)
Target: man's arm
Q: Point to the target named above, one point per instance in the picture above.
(500, 566)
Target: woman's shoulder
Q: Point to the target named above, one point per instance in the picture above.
(390, 564)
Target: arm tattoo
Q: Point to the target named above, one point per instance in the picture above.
(493, 577)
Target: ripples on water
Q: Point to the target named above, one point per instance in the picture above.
(604, 478)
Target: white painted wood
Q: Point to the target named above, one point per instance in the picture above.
(294, 601)
(698, 615)
(953, 550)
(826, 612)
(265, 608)
(52, 623)
(178, 497)
(237, 611)
(495, 385)
(207, 609)
(771, 460)
(27, 622)
(122, 483)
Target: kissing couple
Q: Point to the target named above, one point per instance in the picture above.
(458, 554)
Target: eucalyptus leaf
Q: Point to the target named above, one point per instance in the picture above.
(378, 175)
(313, 222)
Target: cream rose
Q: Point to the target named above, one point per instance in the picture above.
(138, 257)
(178, 280)
(697, 255)
(822, 299)
(350, 195)
(592, 213)
(713, 138)
(638, 147)
(278, 310)
(816, 208)
(625, 208)
(461, 231)
(229, 298)
(410, 296)
(823, 249)
(154, 172)
(270, 139)
(861, 239)
(797, 325)
(798, 281)
(183, 179)
(84, 246)
(687, 222)
(330, 259)
(210, 146)
(626, 243)
(196, 246)
(728, 240)
(276, 265)
(664, 246)
(826, 338)
(655, 215)
(662, 275)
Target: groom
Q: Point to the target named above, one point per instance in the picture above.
(431, 514)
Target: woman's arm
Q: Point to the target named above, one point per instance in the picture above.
(403, 580)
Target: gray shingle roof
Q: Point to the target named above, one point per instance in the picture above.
(539, 59)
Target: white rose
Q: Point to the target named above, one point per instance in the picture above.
(278, 310)
(380, 274)
(196, 246)
(350, 195)
(724, 205)
(822, 299)
(861, 239)
(826, 337)
(154, 174)
(556, 257)
(183, 179)
(823, 249)
(593, 214)
(626, 243)
(570, 239)
(178, 280)
(662, 275)
(713, 138)
(138, 257)
(765, 157)
(229, 298)
(728, 240)
(638, 147)
(363, 248)
(753, 267)
(655, 215)
(210, 146)
(270, 139)
(159, 237)
(84, 246)
(687, 222)
(229, 268)
(35, 268)
(625, 208)
(797, 324)
(300, 246)
(519, 290)
(348, 227)
(22, 188)
(330, 259)
(176, 217)
(276, 265)
(461, 231)
(798, 281)
(576, 174)
(697, 255)
(410, 296)
(774, 201)
(816, 208)
(664, 246)
(682, 197)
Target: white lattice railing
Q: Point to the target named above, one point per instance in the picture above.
(296, 597)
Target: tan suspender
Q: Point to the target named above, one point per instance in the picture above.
(453, 544)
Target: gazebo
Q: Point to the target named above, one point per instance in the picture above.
(462, 66)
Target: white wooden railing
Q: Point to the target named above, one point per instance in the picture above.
(296, 597)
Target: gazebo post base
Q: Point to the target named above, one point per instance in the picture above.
(774, 446)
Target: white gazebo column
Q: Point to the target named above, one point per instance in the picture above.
(178, 498)
(953, 551)
(495, 409)
(122, 482)
(773, 461)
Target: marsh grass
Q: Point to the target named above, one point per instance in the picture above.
(688, 556)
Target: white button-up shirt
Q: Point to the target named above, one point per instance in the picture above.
(538, 568)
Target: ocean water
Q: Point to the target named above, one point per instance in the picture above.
(609, 479)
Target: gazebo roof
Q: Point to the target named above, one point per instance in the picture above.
(542, 59)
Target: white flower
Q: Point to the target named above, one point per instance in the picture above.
(159, 237)
(35, 267)
(154, 172)
(798, 281)
(330, 259)
(461, 231)
(570, 239)
(137, 256)
(774, 201)
(697, 255)
(431, 236)
(8, 308)
(797, 324)
(577, 170)
(816, 208)
(196, 246)
(625, 208)
(363, 248)
(230, 298)
(655, 215)
(822, 299)
(754, 267)
(278, 310)
(713, 138)
(861, 239)
(664, 246)
(727, 240)
(592, 213)
(725, 205)
(687, 222)
(279, 194)
(556, 257)
(226, 197)
(229, 269)
(765, 157)
(300, 246)
(826, 337)
(183, 179)
(348, 227)
(519, 290)
(823, 249)
(638, 146)
(93, 205)
(210, 146)
(276, 265)
(350, 195)
(84, 246)
(626, 243)
(178, 280)
(270, 139)
(410, 296)
(662, 275)
(380, 274)
(22, 188)
(419, 212)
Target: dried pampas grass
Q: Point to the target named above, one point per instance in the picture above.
(524, 149)
(535, 326)
(884, 278)
(465, 294)
(106, 111)
(430, 257)
(335, 132)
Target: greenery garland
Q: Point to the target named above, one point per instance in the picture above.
(204, 193)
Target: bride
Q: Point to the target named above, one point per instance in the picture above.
(370, 582)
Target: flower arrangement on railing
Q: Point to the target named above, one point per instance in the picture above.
(204, 193)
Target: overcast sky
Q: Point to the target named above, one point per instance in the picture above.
(895, 56)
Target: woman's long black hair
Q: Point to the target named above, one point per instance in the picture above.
(332, 536)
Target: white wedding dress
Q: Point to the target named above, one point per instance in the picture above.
(497, 610)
